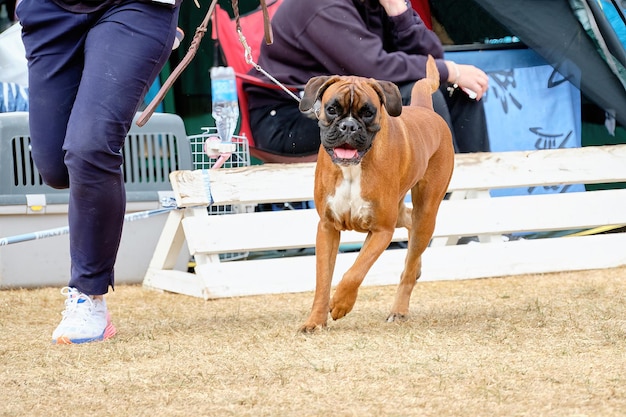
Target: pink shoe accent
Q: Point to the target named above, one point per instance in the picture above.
(110, 330)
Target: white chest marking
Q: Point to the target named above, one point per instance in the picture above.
(347, 199)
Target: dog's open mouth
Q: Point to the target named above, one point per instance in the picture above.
(345, 154)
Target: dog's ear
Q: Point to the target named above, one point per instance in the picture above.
(390, 97)
(313, 91)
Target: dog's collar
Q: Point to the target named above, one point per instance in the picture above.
(317, 108)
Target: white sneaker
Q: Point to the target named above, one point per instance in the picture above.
(84, 320)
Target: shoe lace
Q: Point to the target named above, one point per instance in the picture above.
(73, 299)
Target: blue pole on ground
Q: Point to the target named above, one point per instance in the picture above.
(60, 231)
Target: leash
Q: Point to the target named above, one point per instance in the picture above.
(193, 49)
(191, 53)
(269, 39)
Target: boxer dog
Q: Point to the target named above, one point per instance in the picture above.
(373, 152)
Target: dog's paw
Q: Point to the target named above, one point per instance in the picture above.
(310, 327)
(397, 317)
(316, 321)
(339, 309)
(342, 302)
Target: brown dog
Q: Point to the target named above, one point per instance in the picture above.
(373, 152)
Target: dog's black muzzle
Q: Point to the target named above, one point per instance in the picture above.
(347, 141)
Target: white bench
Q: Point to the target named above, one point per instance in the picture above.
(469, 211)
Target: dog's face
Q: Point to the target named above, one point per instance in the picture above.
(349, 110)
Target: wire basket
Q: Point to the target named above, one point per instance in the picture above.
(239, 157)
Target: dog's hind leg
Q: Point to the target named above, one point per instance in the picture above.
(426, 196)
(404, 216)
(425, 207)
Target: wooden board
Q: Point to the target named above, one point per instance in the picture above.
(495, 216)
(272, 183)
(297, 274)
(587, 165)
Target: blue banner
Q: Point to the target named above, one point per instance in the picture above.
(529, 106)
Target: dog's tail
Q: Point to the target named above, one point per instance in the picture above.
(421, 94)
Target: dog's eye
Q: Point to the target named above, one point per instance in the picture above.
(332, 110)
(367, 113)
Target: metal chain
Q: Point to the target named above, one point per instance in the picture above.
(248, 51)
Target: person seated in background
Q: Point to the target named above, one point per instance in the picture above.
(381, 39)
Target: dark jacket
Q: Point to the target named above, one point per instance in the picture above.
(90, 6)
(344, 37)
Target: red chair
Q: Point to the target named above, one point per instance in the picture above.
(225, 31)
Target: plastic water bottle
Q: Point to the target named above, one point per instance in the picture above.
(225, 109)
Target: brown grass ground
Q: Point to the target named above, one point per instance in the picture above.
(537, 345)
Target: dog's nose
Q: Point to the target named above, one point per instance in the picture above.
(349, 126)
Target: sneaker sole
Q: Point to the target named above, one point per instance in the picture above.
(109, 332)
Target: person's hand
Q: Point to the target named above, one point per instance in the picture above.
(472, 80)
(394, 7)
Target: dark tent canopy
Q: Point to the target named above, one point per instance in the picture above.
(553, 30)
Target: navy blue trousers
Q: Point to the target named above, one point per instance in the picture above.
(466, 118)
(88, 74)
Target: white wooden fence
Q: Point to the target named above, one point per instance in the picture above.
(469, 211)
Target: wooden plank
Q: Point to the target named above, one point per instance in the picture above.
(170, 242)
(531, 213)
(492, 216)
(533, 256)
(297, 274)
(191, 188)
(271, 183)
(272, 230)
(267, 183)
(251, 231)
(586, 165)
(178, 282)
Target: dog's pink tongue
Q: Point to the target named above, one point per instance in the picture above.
(344, 153)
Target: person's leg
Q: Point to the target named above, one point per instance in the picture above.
(285, 130)
(122, 56)
(465, 118)
(53, 41)
(124, 53)
(117, 62)
(469, 123)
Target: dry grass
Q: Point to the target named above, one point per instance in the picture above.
(549, 345)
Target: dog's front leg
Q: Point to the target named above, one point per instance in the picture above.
(348, 288)
(326, 248)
